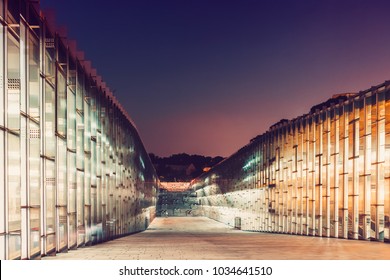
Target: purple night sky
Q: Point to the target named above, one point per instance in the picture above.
(204, 77)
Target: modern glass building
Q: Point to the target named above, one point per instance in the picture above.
(326, 173)
(73, 169)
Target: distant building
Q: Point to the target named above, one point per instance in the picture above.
(190, 169)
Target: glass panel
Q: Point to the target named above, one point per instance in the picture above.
(34, 19)
(80, 207)
(71, 171)
(87, 180)
(14, 194)
(2, 74)
(72, 203)
(80, 91)
(381, 186)
(2, 186)
(13, 73)
(87, 127)
(72, 75)
(35, 238)
(80, 141)
(23, 92)
(373, 167)
(2, 9)
(387, 166)
(50, 196)
(93, 164)
(61, 173)
(62, 228)
(71, 121)
(33, 58)
(98, 154)
(49, 58)
(99, 202)
(61, 104)
(14, 246)
(387, 209)
(50, 242)
(34, 163)
(50, 205)
(50, 139)
(72, 230)
(93, 206)
(13, 11)
(87, 223)
(62, 54)
(93, 116)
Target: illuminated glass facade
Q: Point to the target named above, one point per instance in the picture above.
(73, 170)
(326, 173)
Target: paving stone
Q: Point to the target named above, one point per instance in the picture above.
(200, 238)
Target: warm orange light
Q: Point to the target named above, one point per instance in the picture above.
(206, 169)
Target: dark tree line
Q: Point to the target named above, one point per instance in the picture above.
(182, 167)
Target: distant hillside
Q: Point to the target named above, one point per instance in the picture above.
(182, 167)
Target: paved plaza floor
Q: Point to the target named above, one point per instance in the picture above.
(199, 238)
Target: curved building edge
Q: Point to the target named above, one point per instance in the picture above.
(73, 169)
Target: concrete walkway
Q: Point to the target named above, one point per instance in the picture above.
(199, 238)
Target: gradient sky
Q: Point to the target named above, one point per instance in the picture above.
(204, 77)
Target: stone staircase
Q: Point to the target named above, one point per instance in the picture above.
(177, 204)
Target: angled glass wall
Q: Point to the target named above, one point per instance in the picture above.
(73, 169)
(326, 173)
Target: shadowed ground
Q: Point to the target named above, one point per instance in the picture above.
(199, 238)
